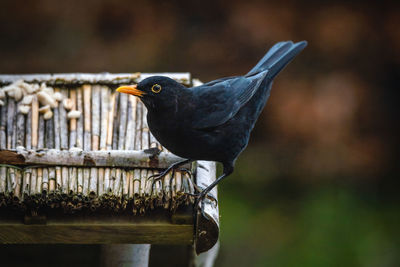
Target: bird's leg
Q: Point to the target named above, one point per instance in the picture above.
(159, 176)
(190, 179)
(228, 169)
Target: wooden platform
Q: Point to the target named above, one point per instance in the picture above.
(84, 180)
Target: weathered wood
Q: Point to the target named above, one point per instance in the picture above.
(79, 131)
(116, 121)
(41, 132)
(131, 121)
(50, 133)
(10, 122)
(63, 122)
(20, 129)
(100, 158)
(104, 105)
(87, 93)
(123, 110)
(96, 117)
(3, 125)
(110, 126)
(56, 116)
(73, 121)
(89, 78)
(28, 130)
(96, 232)
(126, 255)
(35, 122)
(207, 231)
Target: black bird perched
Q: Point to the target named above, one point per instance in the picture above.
(212, 121)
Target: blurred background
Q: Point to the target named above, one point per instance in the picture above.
(318, 184)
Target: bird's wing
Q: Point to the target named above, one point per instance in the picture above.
(217, 102)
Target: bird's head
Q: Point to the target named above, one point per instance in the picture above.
(156, 92)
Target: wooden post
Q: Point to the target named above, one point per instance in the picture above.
(125, 255)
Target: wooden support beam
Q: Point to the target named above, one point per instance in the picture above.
(104, 78)
(156, 228)
(148, 158)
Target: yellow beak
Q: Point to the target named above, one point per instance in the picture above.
(131, 89)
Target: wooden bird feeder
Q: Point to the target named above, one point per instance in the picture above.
(74, 161)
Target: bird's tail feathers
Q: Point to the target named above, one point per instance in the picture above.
(277, 58)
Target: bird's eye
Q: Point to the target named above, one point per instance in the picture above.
(156, 88)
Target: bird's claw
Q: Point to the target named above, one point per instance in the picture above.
(200, 197)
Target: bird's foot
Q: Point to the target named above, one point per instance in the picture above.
(200, 197)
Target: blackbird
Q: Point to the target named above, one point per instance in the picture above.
(212, 121)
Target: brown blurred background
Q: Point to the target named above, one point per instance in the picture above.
(318, 184)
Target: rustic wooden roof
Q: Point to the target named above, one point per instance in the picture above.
(69, 142)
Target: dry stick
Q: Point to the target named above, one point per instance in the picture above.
(17, 187)
(33, 191)
(111, 121)
(50, 132)
(20, 129)
(28, 130)
(138, 126)
(138, 197)
(52, 180)
(64, 178)
(56, 116)
(45, 181)
(79, 132)
(104, 104)
(109, 139)
(131, 120)
(159, 190)
(26, 185)
(143, 189)
(107, 174)
(145, 129)
(117, 182)
(151, 199)
(116, 122)
(87, 89)
(112, 158)
(80, 181)
(130, 185)
(101, 185)
(73, 186)
(93, 183)
(145, 145)
(95, 131)
(123, 109)
(35, 122)
(86, 179)
(39, 180)
(73, 183)
(3, 176)
(3, 125)
(63, 122)
(167, 190)
(72, 122)
(95, 112)
(10, 122)
(41, 132)
(58, 179)
(172, 183)
(136, 191)
(14, 128)
(124, 189)
(112, 182)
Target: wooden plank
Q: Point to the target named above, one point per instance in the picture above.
(155, 229)
(90, 78)
(99, 158)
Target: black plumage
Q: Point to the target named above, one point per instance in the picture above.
(212, 121)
